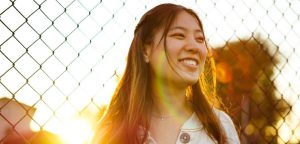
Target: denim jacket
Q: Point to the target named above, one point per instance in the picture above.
(192, 131)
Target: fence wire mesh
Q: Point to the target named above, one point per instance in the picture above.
(60, 61)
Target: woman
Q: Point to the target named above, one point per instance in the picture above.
(165, 95)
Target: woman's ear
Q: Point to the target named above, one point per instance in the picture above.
(147, 52)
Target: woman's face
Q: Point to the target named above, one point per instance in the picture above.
(185, 48)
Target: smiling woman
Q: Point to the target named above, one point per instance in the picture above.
(162, 96)
(186, 51)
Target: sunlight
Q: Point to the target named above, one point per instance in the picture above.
(285, 132)
(69, 72)
(76, 132)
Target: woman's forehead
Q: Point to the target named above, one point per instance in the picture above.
(185, 20)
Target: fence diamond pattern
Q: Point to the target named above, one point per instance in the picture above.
(60, 61)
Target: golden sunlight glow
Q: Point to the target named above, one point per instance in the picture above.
(285, 132)
(61, 101)
(76, 132)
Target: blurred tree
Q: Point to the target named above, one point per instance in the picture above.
(245, 83)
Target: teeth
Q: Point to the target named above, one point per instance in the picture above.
(190, 62)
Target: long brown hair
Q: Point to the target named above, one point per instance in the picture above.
(132, 100)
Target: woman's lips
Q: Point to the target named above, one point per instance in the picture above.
(189, 62)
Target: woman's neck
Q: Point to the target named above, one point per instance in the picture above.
(170, 101)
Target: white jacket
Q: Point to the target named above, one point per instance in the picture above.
(192, 131)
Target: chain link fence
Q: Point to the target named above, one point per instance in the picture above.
(60, 61)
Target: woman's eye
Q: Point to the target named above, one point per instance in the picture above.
(200, 39)
(178, 36)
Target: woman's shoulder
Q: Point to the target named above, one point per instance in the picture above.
(223, 117)
(228, 126)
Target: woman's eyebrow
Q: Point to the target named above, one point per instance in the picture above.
(184, 29)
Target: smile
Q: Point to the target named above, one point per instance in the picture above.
(189, 62)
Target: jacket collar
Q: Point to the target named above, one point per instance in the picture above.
(192, 124)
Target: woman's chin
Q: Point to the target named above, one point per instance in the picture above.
(191, 80)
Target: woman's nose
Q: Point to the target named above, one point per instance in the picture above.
(192, 45)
